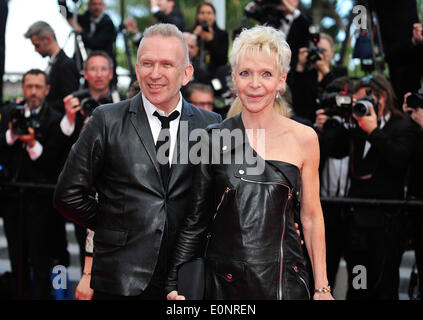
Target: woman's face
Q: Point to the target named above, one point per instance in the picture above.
(257, 78)
(207, 14)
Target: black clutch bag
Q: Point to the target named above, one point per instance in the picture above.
(191, 279)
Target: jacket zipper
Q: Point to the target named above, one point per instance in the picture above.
(225, 193)
(280, 293)
(302, 280)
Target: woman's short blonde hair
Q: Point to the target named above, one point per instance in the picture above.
(262, 39)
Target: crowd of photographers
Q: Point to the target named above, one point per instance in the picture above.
(371, 146)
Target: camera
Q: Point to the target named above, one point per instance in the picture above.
(415, 100)
(88, 103)
(313, 50)
(265, 12)
(337, 104)
(362, 106)
(22, 119)
(204, 25)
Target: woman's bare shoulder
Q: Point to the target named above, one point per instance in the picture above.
(304, 133)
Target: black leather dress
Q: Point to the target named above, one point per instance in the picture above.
(252, 250)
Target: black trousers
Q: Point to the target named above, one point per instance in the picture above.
(28, 228)
(335, 238)
(374, 255)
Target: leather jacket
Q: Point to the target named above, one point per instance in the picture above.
(246, 222)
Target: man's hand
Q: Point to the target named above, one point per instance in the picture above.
(153, 3)
(302, 59)
(28, 139)
(367, 123)
(174, 296)
(72, 106)
(417, 34)
(321, 118)
(415, 114)
(206, 36)
(12, 135)
(131, 25)
(322, 66)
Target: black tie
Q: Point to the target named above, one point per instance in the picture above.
(164, 138)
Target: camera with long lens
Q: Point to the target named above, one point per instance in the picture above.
(265, 12)
(23, 118)
(313, 50)
(337, 104)
(362, 106)
(88, 103)
(415, 100)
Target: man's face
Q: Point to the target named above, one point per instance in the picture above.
(192, 46)
(41, 45)
(96, 7)
(202, 99)
(35, 90)
(162, 69)
(165, 6)
(98, 73)
(327, 50)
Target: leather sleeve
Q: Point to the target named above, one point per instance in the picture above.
(190, 240)
(74, 190)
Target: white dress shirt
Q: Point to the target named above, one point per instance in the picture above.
(156, 125)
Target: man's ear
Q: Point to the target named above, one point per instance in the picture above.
(188, 72)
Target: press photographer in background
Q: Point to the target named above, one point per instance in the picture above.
(312, 73)
(283, 15)
(380, 145)
(96, 28)
(98, 73)
(32, 150)
(334, 113)
(413, 106)
(213, 42)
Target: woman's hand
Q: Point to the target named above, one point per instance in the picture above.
(173, 295)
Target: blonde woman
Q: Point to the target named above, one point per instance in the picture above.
(246, 220)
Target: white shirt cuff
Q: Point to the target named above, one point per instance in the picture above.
(36, 151)
(66, 127)
(9, 138)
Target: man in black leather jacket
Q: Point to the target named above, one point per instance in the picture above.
(138, 210)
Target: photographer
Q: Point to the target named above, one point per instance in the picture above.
(97, 29)
(414, 108)
(334, 115)
(32, 149)
(98, 73)
(381, 143)
(62, 73)
(165, 11)
(213, 41)
(313, 72)
(283, 15)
